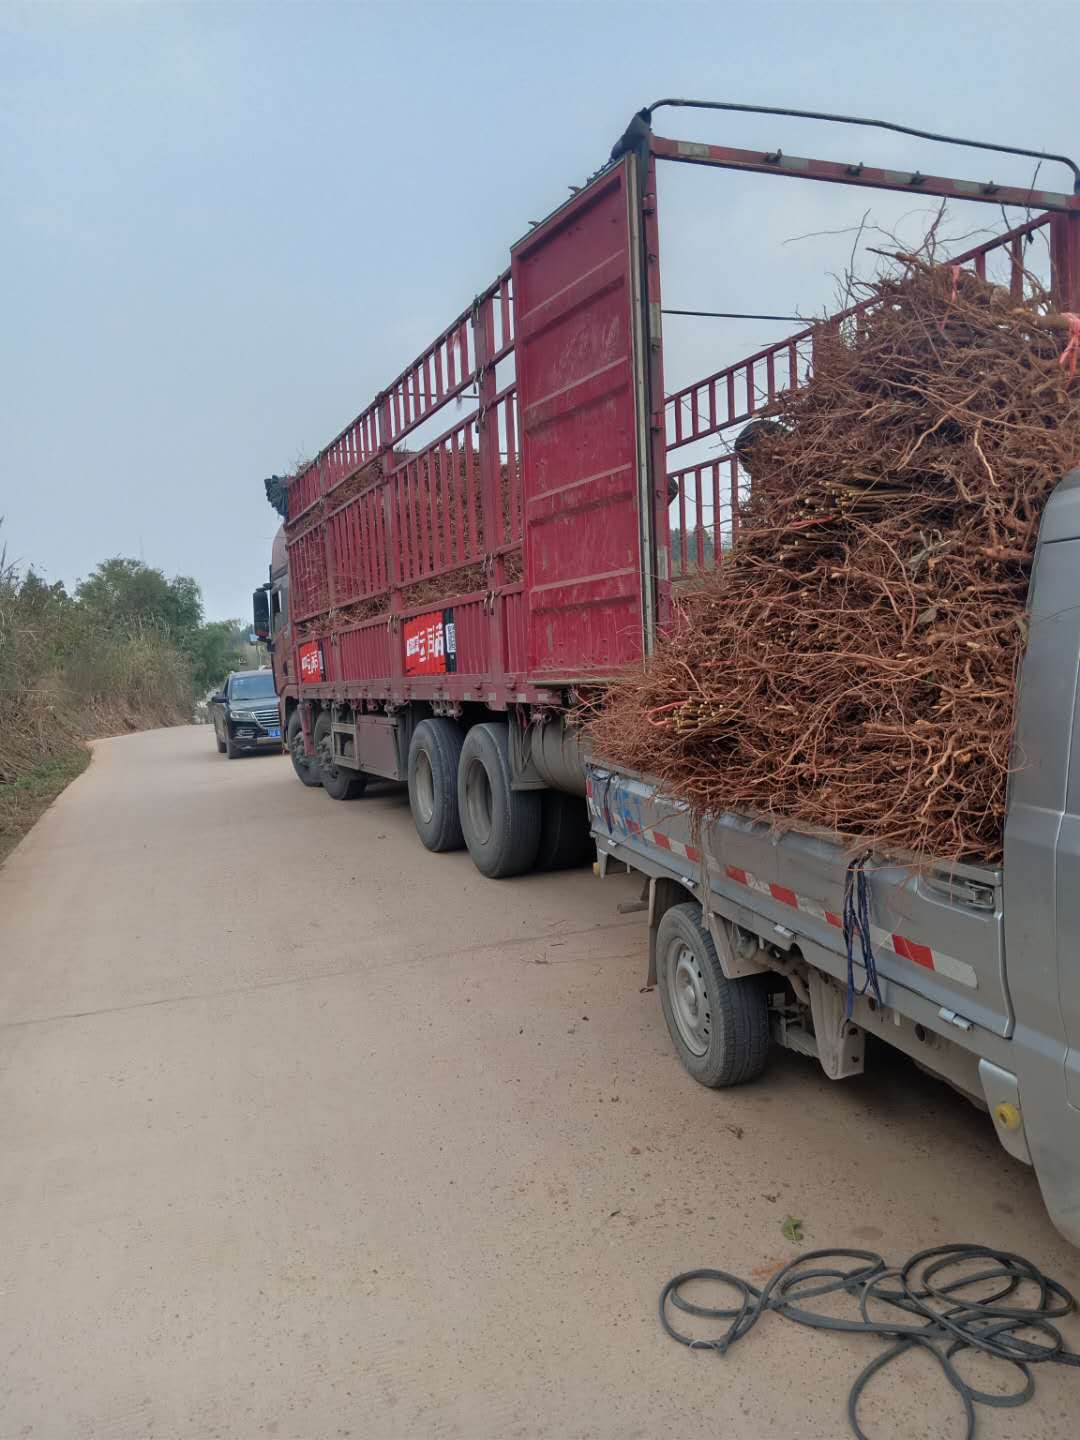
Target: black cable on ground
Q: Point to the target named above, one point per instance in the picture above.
(937, 1314)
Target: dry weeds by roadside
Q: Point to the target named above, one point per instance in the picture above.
(67, 677)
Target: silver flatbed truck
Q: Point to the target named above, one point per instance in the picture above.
(978, 971)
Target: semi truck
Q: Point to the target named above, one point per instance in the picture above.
(448, 589)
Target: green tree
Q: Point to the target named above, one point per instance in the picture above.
(123, 593)
(35, 593)
(215, 650)
(125, 596)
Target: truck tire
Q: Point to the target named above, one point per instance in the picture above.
(434, 758)
(501, 826)
(219, 742)
(339, 782)
(564, 831)
(720, 1027)
(306, 766)
(231, 750)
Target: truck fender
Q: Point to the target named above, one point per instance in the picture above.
(739, 958)
(663, 894)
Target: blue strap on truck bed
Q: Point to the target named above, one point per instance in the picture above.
(856, 916)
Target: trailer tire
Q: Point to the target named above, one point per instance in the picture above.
(501, 825)
(306, 766)
(565, 840)
(339, 782)
(434, 759)
(720, 1027)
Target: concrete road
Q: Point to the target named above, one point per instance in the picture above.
(308, 1133)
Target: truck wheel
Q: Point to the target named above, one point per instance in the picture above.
(434, 756)
(720, 1027)
(231, 750)
(339, 782)
(306, 766)
(564, 831)
(501, 826)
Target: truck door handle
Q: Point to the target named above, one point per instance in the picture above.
(959, 890)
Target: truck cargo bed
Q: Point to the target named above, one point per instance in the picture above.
(936, 928)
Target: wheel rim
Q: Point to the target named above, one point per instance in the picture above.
(424, 785)
(689, 1000)
(478, 801)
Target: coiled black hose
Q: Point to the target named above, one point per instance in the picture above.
(939, 1315)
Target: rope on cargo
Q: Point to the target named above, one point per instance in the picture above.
(943, 1319)
(856, 918)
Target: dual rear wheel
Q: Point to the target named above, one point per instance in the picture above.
(339, 782)
(461, 794)
(434, 758)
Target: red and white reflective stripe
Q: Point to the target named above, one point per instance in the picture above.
(665, 842)
(783, 894)
(655, 837)
(930, 959)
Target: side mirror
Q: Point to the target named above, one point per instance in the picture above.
(260, 609)
(219, 699)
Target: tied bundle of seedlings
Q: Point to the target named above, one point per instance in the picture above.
(852, 665)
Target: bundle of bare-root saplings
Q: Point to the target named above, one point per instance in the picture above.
(852, 665)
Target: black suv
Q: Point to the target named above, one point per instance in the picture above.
(246, 714)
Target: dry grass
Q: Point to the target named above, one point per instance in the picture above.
(25, 798)
(64, 681)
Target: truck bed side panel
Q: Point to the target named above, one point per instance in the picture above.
(935, 933)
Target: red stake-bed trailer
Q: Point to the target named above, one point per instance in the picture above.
(437, 602)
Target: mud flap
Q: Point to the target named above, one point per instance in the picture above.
(840, 1043)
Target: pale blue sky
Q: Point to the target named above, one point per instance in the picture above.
(223, 227)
